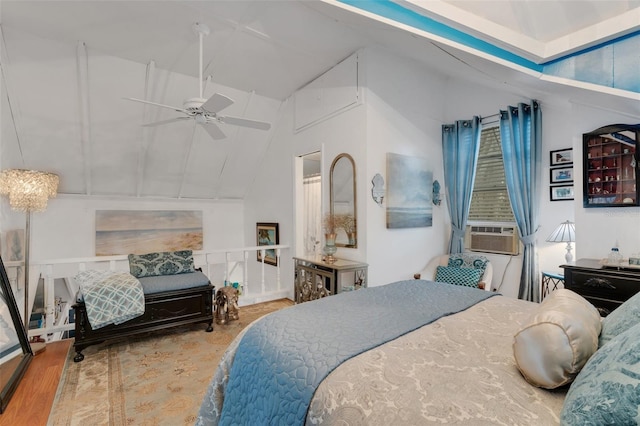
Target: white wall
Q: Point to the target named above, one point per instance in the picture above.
(67, 228)
(271, 196)
(404, 116)
(599, 229)
(404, 108)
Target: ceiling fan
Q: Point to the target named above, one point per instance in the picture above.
(205, 111)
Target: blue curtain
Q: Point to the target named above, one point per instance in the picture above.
(521, 139)
(460, 147)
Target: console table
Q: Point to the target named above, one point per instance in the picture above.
(315, 278)
(605, 287)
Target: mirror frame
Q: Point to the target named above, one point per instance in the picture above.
(19, 362)
(332, 195)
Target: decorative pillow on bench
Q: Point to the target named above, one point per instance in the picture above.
(161, 263)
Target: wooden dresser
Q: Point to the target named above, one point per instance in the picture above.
(605, 287)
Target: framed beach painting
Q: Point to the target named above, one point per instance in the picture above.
(147, 231)
(409, 192)
(267, 234)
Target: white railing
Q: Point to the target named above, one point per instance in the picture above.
(220, 266)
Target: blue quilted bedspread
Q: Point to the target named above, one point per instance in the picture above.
(282, 358)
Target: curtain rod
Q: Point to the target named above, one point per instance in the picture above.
(489, 116)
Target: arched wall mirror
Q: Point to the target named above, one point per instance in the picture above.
(15, 352)
(342, 202)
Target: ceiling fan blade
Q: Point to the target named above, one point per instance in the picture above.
(158, 105)
(214, 131)
(254, 124)
(217, 102)
(171, 120)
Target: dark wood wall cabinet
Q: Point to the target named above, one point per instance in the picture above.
(605, 287)
(611, 166)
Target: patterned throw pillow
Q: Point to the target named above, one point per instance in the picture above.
(466, 260)
(468, 277)
(161, 263)
(620, 319)
(607, 389)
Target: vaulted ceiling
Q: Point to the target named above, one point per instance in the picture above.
(67, 65)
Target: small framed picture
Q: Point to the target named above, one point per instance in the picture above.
(561, 192)
(561, 175)
(561, 157)
(267, 234)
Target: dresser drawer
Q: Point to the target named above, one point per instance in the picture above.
(603, 286)
(604, 306)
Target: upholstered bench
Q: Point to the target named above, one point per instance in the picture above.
(175, 293)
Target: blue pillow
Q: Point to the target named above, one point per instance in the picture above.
(620, 319)
(161, 263)
(468, 277)
(466, 260)
(607, 389)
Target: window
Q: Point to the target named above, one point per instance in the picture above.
(490, 201)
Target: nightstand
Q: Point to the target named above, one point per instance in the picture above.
(315, 278)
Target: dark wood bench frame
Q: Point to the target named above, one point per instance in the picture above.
(162, 310)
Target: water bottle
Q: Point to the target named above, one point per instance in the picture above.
(615, 258)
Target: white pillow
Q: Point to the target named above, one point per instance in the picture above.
(559, 338)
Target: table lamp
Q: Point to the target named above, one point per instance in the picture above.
(564, 233)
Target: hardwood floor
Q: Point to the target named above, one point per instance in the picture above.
(32, 401)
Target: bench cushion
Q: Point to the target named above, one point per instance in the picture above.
(162, 283)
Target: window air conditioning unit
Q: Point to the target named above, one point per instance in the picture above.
(492, 239)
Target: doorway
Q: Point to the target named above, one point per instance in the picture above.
(309, 211)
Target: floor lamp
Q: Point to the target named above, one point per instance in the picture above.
(28, 191)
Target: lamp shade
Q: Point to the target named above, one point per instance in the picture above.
(564, 233)
(28, 190)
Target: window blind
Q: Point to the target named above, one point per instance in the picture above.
(490, 201)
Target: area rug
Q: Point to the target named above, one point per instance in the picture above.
(158, 378)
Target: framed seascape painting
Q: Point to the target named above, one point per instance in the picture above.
(267, 234)
(409, 192)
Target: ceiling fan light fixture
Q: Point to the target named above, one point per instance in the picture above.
(205, 111)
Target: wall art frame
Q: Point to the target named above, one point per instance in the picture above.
(267, 234)
(409, 192)
(561, 157)
(561, 175)
(561, 193)
(121, 232)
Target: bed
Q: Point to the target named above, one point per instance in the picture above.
(159, 292)
(411, 352)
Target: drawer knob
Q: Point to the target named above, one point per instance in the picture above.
(599, 282)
